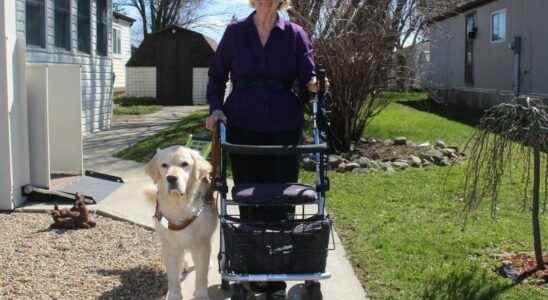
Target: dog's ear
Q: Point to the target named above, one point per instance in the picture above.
(150, 193)
(202, 168)
(151, 169)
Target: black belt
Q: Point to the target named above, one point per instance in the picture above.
(268, 83)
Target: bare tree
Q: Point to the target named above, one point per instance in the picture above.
(355, 40)
(158, 14)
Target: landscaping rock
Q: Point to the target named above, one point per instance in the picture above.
(444, 162)
(400, 165)
(440, 144)
(415, 161)
(334, 161)
(424, 145)
(355, 156)
(351, 166)
(448, 151)
(363, 162)
(400, 141)
(363, 140)
(432, 155)
(388, 142)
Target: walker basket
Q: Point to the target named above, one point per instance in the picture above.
(284, 247)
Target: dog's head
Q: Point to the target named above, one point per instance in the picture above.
(177, 170)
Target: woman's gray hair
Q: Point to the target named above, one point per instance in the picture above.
(284, 4)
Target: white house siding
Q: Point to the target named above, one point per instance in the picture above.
(96, 70)
(119, 60)
(141, 82)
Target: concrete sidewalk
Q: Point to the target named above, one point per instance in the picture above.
(128, 203)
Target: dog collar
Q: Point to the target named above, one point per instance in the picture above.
(176, 226)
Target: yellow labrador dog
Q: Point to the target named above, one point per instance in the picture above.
(184, 220)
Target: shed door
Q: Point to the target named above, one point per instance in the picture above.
(166, 71)
(173, 76)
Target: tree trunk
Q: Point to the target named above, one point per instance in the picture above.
(536, 224)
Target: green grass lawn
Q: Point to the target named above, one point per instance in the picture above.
(399, 119)
(176, 134)
(135, 106)
(404, 231)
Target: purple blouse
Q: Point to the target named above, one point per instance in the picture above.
(287, 56)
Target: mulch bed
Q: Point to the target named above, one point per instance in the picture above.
(114, 260)
(520, 266)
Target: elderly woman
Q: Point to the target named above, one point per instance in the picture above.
(264, 56)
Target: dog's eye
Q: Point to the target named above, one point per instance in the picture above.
(164, 166)
(184, 164)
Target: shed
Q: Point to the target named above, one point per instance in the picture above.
(171, 65)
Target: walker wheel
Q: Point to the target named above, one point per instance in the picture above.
(238, 292)
(313, 290)
(225, 285)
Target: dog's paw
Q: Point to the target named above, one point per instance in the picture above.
(201, 294)
(174, 295)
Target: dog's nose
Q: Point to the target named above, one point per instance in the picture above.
(171, 179)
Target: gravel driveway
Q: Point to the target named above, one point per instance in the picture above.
(114, 260)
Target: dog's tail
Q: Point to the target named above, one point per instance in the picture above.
(150, 193)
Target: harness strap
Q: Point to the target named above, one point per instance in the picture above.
(173, 226)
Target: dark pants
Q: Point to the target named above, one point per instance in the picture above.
(263, 169)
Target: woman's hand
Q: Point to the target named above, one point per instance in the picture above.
(215, 116)
(314, 86)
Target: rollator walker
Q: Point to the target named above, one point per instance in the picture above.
(292, 249)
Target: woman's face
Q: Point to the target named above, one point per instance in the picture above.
(266, 6)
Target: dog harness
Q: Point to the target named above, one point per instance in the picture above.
(177, 226)
(181, 226)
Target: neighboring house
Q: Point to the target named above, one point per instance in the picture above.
(171, 65)
(486, 51)
(121, 48)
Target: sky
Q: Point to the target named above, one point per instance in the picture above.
(219, 13)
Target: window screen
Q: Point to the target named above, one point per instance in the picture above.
(62, 24)
(498, 26)
(35, 23)
(102, 33)
(84, 29)
(116, 41)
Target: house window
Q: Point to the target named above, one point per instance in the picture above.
(116, 41)
(62, 24)
(498, 26)
(35, 23)
(102, 33)
(84, 28)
